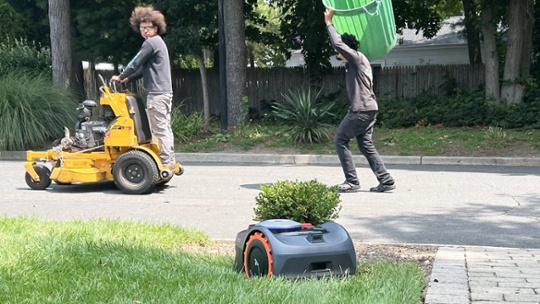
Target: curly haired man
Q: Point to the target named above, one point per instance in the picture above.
(153, 65)
(361, 115)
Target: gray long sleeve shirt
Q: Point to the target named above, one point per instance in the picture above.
(358, 76)
(152, 63)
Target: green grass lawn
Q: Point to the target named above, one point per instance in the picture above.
(111, 261)
(425, 141)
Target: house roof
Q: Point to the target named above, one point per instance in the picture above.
(450, 33)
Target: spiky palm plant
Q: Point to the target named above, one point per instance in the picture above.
(304, 115)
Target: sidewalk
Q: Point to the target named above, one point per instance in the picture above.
(485, 275)
(460, 274)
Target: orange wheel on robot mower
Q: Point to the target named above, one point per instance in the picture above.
(258, 260)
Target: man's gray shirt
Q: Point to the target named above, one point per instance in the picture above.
(152, 63)
(358, 76)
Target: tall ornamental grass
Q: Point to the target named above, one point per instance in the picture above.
(186, 126)
(33, 112)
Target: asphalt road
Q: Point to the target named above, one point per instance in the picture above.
(441, 205)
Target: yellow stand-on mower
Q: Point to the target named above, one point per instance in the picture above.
(116, 147)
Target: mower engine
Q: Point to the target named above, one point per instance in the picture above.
(89, 133)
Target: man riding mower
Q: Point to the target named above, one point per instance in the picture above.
(116, 147)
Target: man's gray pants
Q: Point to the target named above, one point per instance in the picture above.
(359, 125)
(159, 108)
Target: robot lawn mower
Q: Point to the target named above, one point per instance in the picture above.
(293, 250)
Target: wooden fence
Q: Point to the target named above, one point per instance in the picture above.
(269, 84)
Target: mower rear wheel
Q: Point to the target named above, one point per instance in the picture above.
(135, 172)
(44, 178)
(258, 259)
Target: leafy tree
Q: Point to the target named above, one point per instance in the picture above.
(482, 19)
(303, 26)
(519, 47)
(192, 28)
(99, 32)
(517, 17)
(12, 29)
(35, 21)
(264, 52)
(490, 16)
(192, 31)
(103, 33)
(419, 15)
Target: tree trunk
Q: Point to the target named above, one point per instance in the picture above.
(528, 29)
(473, 35)
(90, 81)
(490, 54)
(59, 20)
(513, 85)
(251, 55)
(77, 80)
(204, 84)
(235, 44)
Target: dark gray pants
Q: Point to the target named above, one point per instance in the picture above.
(359, 125)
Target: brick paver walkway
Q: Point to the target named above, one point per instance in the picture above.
(484, 275)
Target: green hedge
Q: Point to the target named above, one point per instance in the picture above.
(459, 110)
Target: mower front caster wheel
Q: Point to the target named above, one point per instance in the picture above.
(44, 178)
(180, 172)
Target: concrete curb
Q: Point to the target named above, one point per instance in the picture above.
(483, 161)
(12, 155)
(314, 159)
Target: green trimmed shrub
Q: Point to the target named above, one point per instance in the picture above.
(304, 202)
(33, 112)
